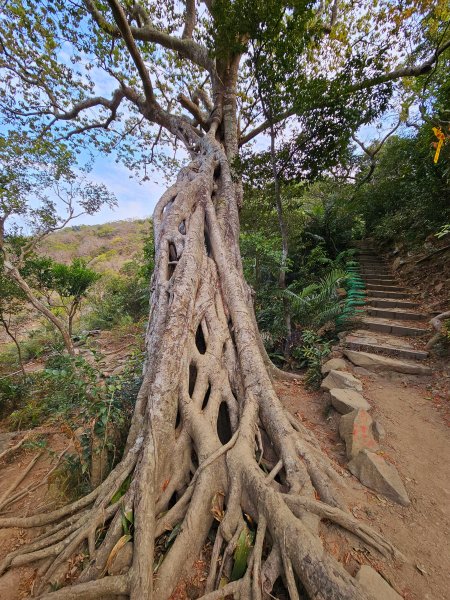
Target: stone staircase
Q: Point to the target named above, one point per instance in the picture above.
(392, 323)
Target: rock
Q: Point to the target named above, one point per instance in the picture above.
(355, 428)
(341, 380)
(362, 372)
(118, 370)
(345, 401)
(398, 262)
(122, 561)
(335, 364)
(378, 430)
(375, 585)
(377, 363)
(375, 473)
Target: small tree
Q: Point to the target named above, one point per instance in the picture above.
(12, 301)
(44, 197)
(63, 286)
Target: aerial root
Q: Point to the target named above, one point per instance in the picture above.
(346, 521)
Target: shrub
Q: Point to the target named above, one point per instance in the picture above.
(311, 353)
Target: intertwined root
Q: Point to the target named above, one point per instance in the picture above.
(209, 440)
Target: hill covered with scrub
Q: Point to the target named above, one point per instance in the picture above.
(105, 247)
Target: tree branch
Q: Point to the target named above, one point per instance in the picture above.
(194, 109)
(125, 30)
(189, 20)
(400, 73)
(187, 48)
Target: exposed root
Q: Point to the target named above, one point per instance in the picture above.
(16, 446)
(207, 428)
(5, 498)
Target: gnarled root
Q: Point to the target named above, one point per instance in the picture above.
(209, 441)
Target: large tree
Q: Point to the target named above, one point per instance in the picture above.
(135, 77)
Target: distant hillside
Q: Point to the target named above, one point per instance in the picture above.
(107, 247)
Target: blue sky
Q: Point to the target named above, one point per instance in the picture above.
(134, 200)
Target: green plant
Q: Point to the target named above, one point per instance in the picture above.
(318, 303)
(311, 353)
(13, 391)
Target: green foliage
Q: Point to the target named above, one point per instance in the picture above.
(68, 281)
(119, 299)
(68, 391)
(319, 302)
(13, 391)
(41, 342)
(404, 201)
(311, 352)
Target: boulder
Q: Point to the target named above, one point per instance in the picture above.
(377, 363)
(375, 585)
(341, 380)
(375, 473)
(335, 364)
(378, 430)
(345, 401)
(355, 428)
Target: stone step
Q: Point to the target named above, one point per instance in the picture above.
(395, 313)
(392, 303)
(362, 344)
(389, 326)
(385, 294)
(377, 281)
(372, 263)
(375, 276)
(385, 288)
(378, 363)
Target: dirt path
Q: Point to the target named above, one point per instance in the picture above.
(418, 442)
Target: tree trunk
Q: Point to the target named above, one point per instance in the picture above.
(206, 428)
(16, 276)
(13, 336)
(284, 242)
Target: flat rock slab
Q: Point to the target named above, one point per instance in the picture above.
(355, 428)
(341, 380)
(378, 475)
(334, 364)
(375, 585)
(376, 362)
(346, 401)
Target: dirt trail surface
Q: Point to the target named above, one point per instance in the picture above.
(418, 442)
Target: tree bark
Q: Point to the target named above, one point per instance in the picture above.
(206, 427)
(16, 276)
(205, 412)
(6, 325)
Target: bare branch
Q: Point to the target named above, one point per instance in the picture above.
(124, 28)
(187, 48)
(372, 152)
(200, 94)
(190, 19)
(194, 109)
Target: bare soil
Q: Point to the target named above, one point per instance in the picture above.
(414, 412)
